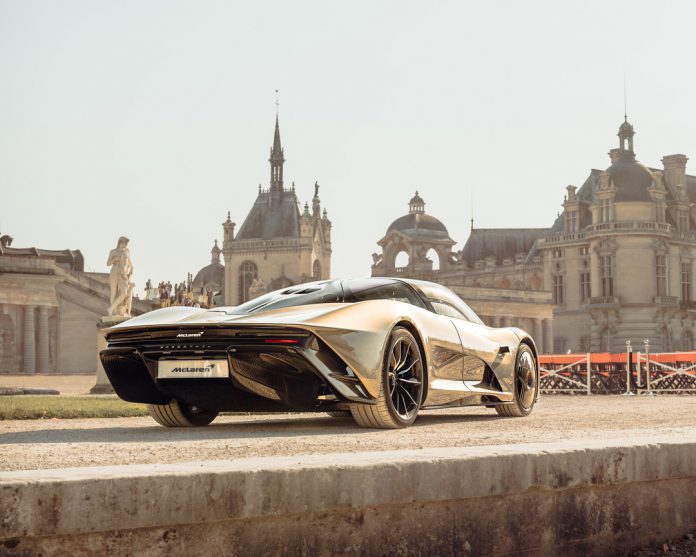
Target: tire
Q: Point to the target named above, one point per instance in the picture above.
(526, 385)
(176, 414)
(340, 414)
(401, 388)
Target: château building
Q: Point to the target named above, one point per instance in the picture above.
(619, 259)
(617, 264)
(279, 244)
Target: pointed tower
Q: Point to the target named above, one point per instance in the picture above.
(277, 159)
(277, 244)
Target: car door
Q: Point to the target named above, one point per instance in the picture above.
(478, 351)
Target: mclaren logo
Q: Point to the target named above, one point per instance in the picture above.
(189, 335)
(203, 369)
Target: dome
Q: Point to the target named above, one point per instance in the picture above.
(631, 179)
(419, 223)
(210, 277)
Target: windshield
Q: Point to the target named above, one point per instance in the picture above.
(446, 302)
(324, 292)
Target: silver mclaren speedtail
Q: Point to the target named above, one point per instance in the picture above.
(377, 349)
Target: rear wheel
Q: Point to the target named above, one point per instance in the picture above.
(526, 385)
(401, 387)
(178, 414)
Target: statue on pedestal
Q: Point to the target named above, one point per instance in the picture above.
(119, 279)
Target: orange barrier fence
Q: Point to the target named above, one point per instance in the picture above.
(623, 373)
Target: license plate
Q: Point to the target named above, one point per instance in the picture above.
(187, 369)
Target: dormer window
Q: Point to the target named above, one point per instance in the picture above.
(571, 219)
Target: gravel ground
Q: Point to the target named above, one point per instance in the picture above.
(53, 443)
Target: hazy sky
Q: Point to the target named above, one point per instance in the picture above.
(152, 119)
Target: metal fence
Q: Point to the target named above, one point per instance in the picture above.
(627, 373)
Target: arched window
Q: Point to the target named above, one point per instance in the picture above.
(248, 272)
(401, 260)
(316, 270)
(687, 340)
(434, 257)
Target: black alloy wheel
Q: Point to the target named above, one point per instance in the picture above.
(401, 391)
(405, 377)
(526, 385)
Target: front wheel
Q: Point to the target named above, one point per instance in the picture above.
(526, 385)
(178, 414)
(401, 388)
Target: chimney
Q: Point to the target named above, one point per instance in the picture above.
(675, 169)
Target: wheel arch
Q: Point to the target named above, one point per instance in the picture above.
(411, 328)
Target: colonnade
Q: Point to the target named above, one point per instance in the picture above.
(35, 340)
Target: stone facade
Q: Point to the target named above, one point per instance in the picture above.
(498, 272)
(49, 310)
(278, 245)
(616, 265)
(619, 260)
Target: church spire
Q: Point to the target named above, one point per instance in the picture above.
(277, 159)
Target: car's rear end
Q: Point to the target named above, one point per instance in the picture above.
(230, 368)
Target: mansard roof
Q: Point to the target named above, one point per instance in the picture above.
(586, 194)
(501, 243)
(274, 215)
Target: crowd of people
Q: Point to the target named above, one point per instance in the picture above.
(167, 294)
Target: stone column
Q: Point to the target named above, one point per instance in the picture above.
(43, 340)
(547, 334)
(537, 335)
(504, 321)
(29, 341)
(495, 321)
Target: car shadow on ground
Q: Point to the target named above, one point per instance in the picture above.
(277, 427)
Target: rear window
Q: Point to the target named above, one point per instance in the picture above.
(360, 290)
(303, 294)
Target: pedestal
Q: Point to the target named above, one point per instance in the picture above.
(102, 386)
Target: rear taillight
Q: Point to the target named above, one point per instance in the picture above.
(281, 341)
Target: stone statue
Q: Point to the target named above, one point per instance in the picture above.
(119, 279)
(658, 180)
(6, 240)
(257, 288)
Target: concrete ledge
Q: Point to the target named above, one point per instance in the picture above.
(538, 499)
